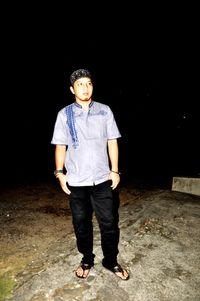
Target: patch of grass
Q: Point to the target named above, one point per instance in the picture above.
(7, 284)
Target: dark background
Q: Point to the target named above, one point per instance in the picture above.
(146, 77)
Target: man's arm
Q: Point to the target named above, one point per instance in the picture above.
(60, 153)
(113, 152)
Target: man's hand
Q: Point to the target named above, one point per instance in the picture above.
(63, 182)
(115, 178)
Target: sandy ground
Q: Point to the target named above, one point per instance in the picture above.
(159, 245)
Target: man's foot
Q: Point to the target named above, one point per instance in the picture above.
(83, 270)
(119, 272)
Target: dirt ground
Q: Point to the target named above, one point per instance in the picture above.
(160, 246)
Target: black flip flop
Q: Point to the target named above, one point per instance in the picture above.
(117, 269)
(84, 267)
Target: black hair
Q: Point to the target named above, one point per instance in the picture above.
(79, 74)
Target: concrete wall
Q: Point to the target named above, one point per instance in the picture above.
(187, 185)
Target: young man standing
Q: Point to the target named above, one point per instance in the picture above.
(85, 135)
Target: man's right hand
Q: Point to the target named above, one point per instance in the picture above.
(63, 182)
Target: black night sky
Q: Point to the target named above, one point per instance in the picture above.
(146, 81)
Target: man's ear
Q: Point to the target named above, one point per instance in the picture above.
(72, 89)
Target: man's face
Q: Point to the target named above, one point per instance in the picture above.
(82, 89)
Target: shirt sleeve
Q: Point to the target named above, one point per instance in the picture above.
(60, 133)
(112, 128)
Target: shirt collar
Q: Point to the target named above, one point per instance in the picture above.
(79, 106)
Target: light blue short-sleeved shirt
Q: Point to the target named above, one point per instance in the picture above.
(86, 135)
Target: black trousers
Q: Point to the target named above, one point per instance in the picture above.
(104, 202)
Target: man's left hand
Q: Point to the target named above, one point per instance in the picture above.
(115, 178)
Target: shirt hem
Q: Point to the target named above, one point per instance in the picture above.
(88, 183)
